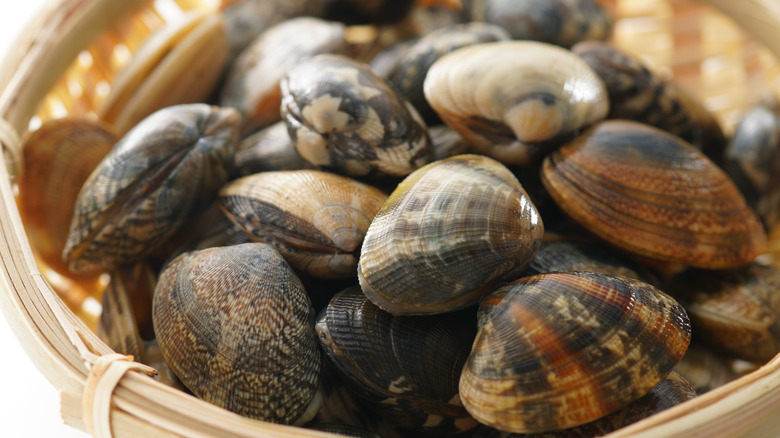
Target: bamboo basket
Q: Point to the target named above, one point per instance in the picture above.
(72, 51)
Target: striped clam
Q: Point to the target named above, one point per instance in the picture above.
(237, 328)
(448, 233)
(252, 84)
(511, 99)
(402, 368)
(560, 22)
(343, 117)
(558, 350)
(652, 194)
(140, 194)
(316, 220)
(267, 150)
(639, 94)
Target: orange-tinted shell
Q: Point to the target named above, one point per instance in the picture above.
(558, 350)
(650, 193)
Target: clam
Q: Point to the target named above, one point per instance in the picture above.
(705, 368)
(560, 22)
(343, 117)
(639, 94)
(58, 158)
(180, 63)
(554, 351)
(752, 160)
(650, 193)
(446, 142)
(510, 99)
(409, 74)
(735, 311)
(267, 150)
(403, 367)
(448, 233)
(160, 174)
(316, 220)
(237, 328)
(252, 84)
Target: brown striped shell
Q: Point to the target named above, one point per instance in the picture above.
(316, 220)
(652, 194)
(558, 350)
(736, 311)
(405, 368)
(562, 256)
(638, 94)
(449, 232)
(343, 117)
(560, 22)
(509, 98)
(252, 84)
(58, 158)
(160, 174)
(237, 328)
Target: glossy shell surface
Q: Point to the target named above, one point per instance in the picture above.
(650, 193)
(506, 98)
(447, 233)
(237, 328)
(558, 350)
(142, 191)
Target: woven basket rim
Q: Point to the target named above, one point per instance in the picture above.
(67, 352)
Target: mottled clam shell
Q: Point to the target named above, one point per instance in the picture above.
(237, 328)
(447, 142)
(560, 22)
(752, 160)
(449, 232)
(160, 174)
(58, 158)
(638, 94)
(652, 194)
(736, 311)
(404, 367)
(252, 84)
(508, 98)
(705, 368)
(563, 256)
(411, 70)
(558, 350)
(180, 62)
(343, 117)
(267, 150)
(316, 220)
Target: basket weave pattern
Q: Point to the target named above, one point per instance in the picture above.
(91, 40)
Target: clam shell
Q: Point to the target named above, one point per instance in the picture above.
(316, 220)
(562, 256)
(237, 328)
(506, 98)
(343, 117)
(558, 350)
(449, 232)
(650, 193)
(180, 63)
(160, 174)
(267, 150)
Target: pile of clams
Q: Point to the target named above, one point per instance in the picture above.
(400, 218)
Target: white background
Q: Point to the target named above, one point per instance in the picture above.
(29, 404)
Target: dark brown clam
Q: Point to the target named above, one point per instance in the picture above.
(343, 117)
(652, 194)
(638, 94)
(316, 220)
(560, 22)
(514, 100)
(237, 328)
(267, 150)
(409, 74)
(736, 311)
(752, 160)
(403, 367)
(558, 350)
(252, 84)
(449, 232)
(161, 173)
